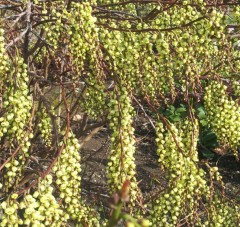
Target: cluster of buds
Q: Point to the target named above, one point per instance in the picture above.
(121, 160)
(41, 208)
(177, 150)
(223, 115)
(68, 179)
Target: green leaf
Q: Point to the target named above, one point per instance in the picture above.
(172, 108)
(209, 140)
(180, 110)
(203, 122)
(176, 118)
(208, 154)
(201, 115)
(209, 136)
(168, 113)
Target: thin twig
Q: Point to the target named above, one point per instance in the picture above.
(145, 114)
